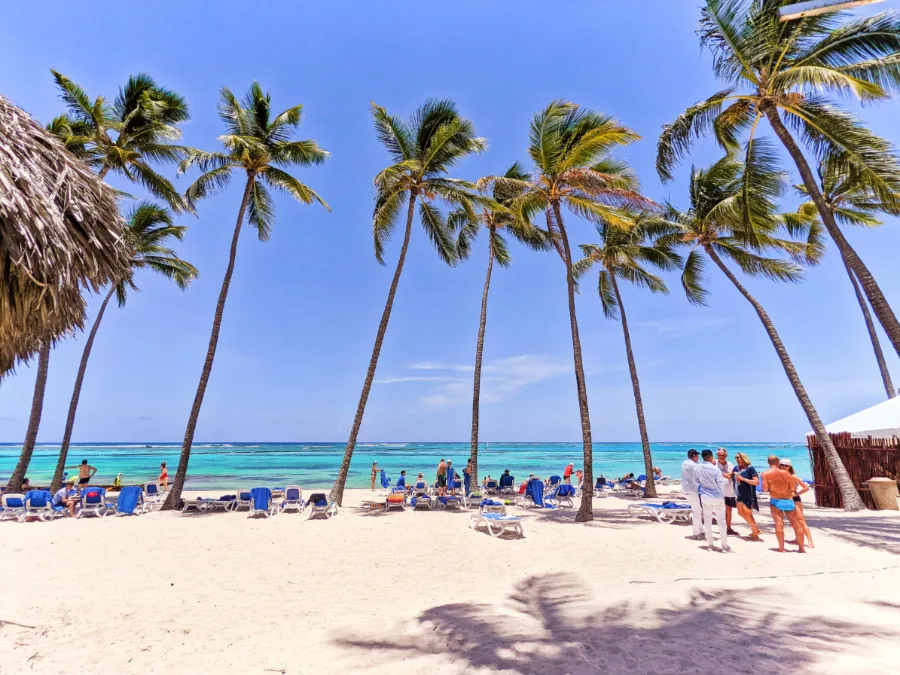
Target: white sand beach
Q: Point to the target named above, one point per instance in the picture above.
(421, 592)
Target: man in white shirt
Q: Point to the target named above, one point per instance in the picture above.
(711, 484)
(727, 470)
(689, 488)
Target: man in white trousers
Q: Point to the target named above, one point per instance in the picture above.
(689, 488)
(711, 484)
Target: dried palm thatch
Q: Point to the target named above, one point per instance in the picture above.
(60, 234)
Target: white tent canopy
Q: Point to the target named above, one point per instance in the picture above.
(879, 421)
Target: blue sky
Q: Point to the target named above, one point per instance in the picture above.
(304, 307)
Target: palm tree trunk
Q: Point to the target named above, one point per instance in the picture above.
(174, 496)
(479, 349)
(337, 490)
(34, 422)
(586, 510)
(76, 394)
(650, 485)
(849, 494)
(873, 335)
(870, 287)
(102, 173)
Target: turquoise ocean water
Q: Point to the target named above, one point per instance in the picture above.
(217, 466)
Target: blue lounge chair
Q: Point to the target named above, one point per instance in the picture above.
(12, 506)
(293, 499)
(553, 481)
(385, 481)
(534, 495)
(507, 485)
(39, 504)
(131, 501)
(492, 506)
(561, 495)
(262, 503)
(93, 503)
(320, 504)
(491, 487)
(450, 502)
(152, 496)
(667, 512)
(244, 499)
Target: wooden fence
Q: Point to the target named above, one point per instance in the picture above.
(864, 458)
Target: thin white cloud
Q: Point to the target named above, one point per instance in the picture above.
(683, 326)
(500, 380)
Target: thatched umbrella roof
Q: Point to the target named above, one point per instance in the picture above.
(60, 234)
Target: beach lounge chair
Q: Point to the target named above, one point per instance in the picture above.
(152, 496)
(93, 503)
(553, 481)
(496, 523)
(12, 506)
(561, 495)
(450, 502)
(131, 501)
(396, 499)
(244, 499)
(320, 504)
(507, 485)
(534, 495)
(262, 503)
(667, 512)
(293, 499)
(420, 499)
(492, 506)
(491, 487)
(385, 481)
(39, 504)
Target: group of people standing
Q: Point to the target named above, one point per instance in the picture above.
(715, 487)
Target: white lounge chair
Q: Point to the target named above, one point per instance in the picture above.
(663, 513)
(262, 503)
(153, 497)
(93, 503)
(39, 504)
(12, 506)
(244, 499)
(293, 499)
(324, 507)
(396, 499)
(496, 523)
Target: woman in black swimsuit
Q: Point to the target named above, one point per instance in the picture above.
(746, 479)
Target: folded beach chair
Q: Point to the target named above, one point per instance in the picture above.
(496, 523)
(667, 512)
(152, 496)
(93, 503)
(396, 499)
(12, 506)
(131, 501)
(244, 499)
(293, 499)
(385, 481)
(320, 504)
(507, 485)
(262, 503)
(39, 504)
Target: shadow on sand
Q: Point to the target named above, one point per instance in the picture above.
(549, 626)
(878, 532)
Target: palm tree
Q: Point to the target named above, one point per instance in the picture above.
(782, 71)
(150, 227)
(853, 202)
(34, 420)
(495, 218)
(259, 145)
(144, 119)
(717, 225)
(423, 151)
(625, 252)
(570, 147)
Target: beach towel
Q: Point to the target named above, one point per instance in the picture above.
(319, 499)
(566, 490)
(491, 502)
(262, 497)
(128, 499)
(385, 481)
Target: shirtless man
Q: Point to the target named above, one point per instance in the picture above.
(780, 486)
(85, 473)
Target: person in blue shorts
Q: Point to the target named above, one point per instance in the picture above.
(780, 486)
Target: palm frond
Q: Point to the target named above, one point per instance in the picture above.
(260, 210)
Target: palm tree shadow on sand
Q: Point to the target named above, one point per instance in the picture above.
(550, 626)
